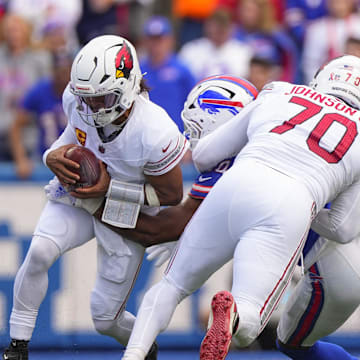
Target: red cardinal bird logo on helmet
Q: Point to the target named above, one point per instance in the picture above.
(123, 62)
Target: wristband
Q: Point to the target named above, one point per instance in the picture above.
(151, 196)
(122, 206)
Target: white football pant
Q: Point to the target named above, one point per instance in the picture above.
(325, 297)
(62, 228)
(257, 216)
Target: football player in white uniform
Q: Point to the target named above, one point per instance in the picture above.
(323, 299)
(297, 150)
(329, 292)
(211, 103)
(108, 112)
(310, 313)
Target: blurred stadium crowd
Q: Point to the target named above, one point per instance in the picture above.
(179, 42)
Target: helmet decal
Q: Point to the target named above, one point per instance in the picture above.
(340, 78)
(107, 87)
(212, 101)
(123, 62)
(246, 85)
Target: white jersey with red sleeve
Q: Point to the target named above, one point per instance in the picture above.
(150, 142)
(296, 130)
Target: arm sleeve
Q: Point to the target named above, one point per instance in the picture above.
(341, 222)
(206, 180)
(225, 142)
(67, 137)
(166, 154)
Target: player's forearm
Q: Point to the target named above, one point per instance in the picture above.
(340, 223)
(168, 196)
(168, 187)
(145, 239)
(153, 230)
(149, 231)
(67, 137)
(223, 143)
(166, 226)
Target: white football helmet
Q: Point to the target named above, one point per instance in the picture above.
(212, 102)
(105, 78)
(341, 78)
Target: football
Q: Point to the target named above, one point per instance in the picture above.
(89, 170)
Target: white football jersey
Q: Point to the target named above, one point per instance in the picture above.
(298, 131)
(149, 144)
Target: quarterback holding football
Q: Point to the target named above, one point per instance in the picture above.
(139, 148)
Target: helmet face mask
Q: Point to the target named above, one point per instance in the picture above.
(341, 78)
(100, 110)
(105, 78)
(212, 102)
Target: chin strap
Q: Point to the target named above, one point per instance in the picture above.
(117, 130)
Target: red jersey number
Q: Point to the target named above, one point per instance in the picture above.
(313, 140)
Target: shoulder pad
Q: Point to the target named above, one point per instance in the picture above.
(68, 101)
(275, 87)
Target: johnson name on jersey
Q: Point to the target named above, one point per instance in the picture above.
(306, 134)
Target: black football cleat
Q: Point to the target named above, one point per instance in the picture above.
(152, 354)
(17, 350)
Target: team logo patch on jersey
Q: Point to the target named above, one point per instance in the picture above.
(81, 136)
(124, 62)
(212, 102)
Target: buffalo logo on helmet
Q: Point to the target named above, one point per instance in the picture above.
(124, 61)
(212, 102)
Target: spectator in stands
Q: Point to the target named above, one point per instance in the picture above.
(163, 8)
(277, 5)
(352, 46)
(56, 37)
(257, 26)
(49, 19)
(263, 69)
(217, 52)
(168, 78)
(42, 103)
(100, 17)
(191, 16)
(326, 37)
(298, 15)
(3, 6)
(20, 67)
